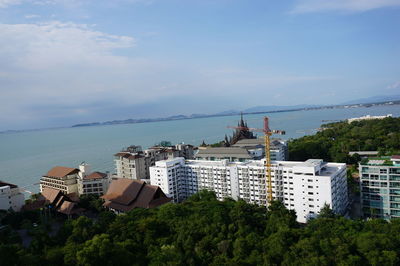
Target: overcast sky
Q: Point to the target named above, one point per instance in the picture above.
(72, 61)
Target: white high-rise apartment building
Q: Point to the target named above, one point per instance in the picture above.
(302, 186)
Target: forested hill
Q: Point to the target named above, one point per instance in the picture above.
(205, 231)
(336, 139)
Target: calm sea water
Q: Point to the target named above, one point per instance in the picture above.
(26, 156)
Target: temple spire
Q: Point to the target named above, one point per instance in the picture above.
(242, 124)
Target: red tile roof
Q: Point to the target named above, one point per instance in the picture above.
(396, 157)
(61, 171)
(96, 175)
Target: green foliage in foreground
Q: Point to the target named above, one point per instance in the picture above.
(204, 231)
(337, 139)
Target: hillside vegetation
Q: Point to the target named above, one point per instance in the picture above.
(335, 141)
(205, 231)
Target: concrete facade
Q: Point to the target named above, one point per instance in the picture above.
(380, 187)
(73, 180)
(11, 197)
(133, 163)
(302, 186)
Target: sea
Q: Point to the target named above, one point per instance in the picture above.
(26, 156)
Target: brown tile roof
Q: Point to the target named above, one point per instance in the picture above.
(96, 175)
(59, 202)
(66, 207)
(126, 194)
(50, 194)
(145, 196)
(74, 197)
(61, 171)
(123, 190)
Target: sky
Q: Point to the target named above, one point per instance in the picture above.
(64, 62)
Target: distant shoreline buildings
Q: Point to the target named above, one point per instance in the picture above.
(368, 117)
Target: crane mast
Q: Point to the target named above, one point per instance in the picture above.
(267, 147)
(268, 171)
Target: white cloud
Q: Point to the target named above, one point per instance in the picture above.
(50, 70)
(71, 3)
(393, 86)
(308, 6)
(32, 16)
(7, 3)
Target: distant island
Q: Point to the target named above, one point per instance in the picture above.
(253, 110)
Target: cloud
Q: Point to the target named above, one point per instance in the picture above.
(309, 6)
(32, 16)
(55, 70)
(59, 73)
(393, 86)
(7, 3)
(71, 3)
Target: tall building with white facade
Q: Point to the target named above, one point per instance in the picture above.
(302, 186)
(380, 187)
(11, 197)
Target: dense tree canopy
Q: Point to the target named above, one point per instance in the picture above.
(205, 231)
(334, 142)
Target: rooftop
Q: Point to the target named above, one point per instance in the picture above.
(61, 171)
(3, 184)
(393, 160)
(224, 152)
(127, 194)
(96, 175)
(257, 142)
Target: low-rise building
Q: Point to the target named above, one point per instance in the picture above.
(380, 187)
(61, 178)
(302, 186)
(57, 201)
(95, 183)
(11, 197)
(126, 194)
(73, 180)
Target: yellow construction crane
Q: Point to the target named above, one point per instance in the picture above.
(267, 133)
